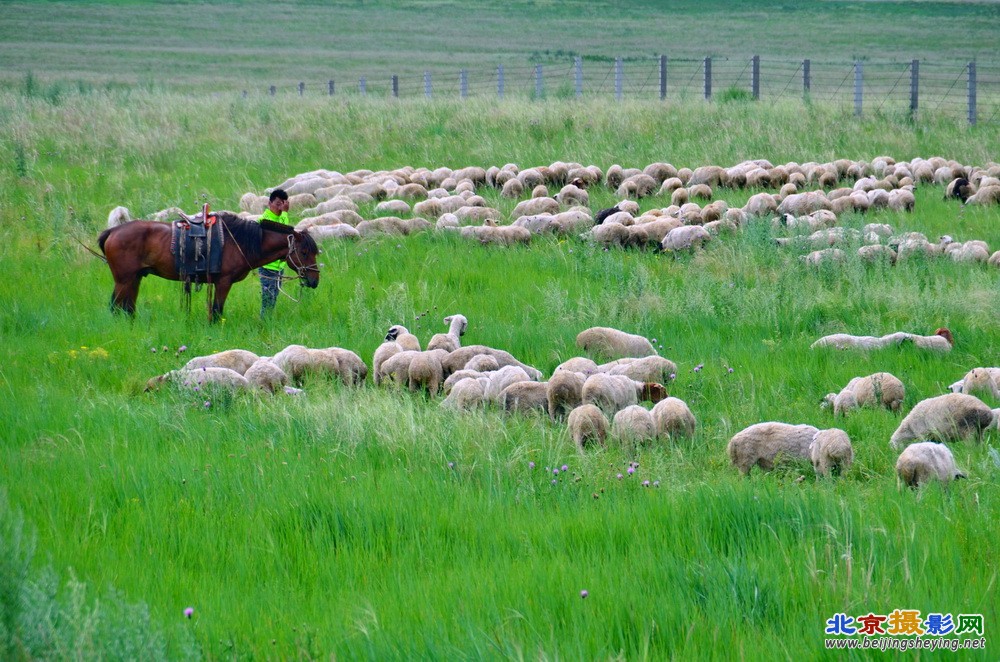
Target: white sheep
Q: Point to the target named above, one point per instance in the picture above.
(831, 452)
(612, 393)
(765, 444)
(266, 375)
(453, 339)
(457, 359)
(525, 397)
(633, 425)
(196, 379)
(118, 216)
(297, 361)
(587, 426)
(613, 344)
(235, 359)
(925, 461)
(424, 371)
(881, 389)
(672, 418)
(949, 417)
(402, 335)
(582, 365)
(501, 379)
(467, 394)
(482, 363)
(646, 369)
(685, 237)
(979, 379)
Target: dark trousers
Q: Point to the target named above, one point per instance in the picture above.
(270, 280)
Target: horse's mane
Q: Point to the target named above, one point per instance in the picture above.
(248, 233)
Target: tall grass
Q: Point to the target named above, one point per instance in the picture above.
(371, 523)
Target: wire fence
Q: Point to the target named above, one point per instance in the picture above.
(966, 90)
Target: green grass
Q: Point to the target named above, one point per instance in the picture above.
(331, 523)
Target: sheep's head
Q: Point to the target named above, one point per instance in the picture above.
(946, 334)
(828, 400)
(653, 392)
(395, 331)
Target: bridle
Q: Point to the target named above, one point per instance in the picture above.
(299, 268)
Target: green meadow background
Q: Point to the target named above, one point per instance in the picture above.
(370, 523)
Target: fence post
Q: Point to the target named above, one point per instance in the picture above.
(273, 90)
(972, 93)
(538, 81)
(363, 86)
(427, 84)
(330, 84)
(663, 77)
(859, 77)
(302, 88)
(806, 82)
(619, 75)
(500, 81)
(395, 86)
(755, 77)
(914, 86)
(578, 66)
(708, 78)
(463, 83)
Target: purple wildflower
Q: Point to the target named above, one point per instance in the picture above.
(673, 375)
(555, 472)
(531, 465)
(730, 370)
(584, 593)
(645, 483)
(182, 348)
(208, 403)
(565, 467)
(189, 612)
(631, 470)
(620, 476)
(451, 465)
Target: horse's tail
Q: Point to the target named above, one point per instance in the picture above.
(103, 237)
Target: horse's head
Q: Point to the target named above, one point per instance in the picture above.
(302, 252)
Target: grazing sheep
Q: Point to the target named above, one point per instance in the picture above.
(571, 195)
(831, 452)
(235, 359)
(535, 206)
(827, 256)
(297, 361)
(382, 353)
(613, 344)
(673, 419)
(118, 216)
(608, 234)
(503, 235)
(525, 397)
(878, 390)
(351, 368)
(587, 426)
(646, 369)
(948, 417)
(457, 359)
(765, 444)
(686, 237)
(925, 461)
(501, 379)
(877, 253)
(582, 365)
(467, 394)
(564, 392)
(402, 335)
(979, 379)
(196, 379)
(987, 195)
(335, 231)
(613, 393)
(633, 425)
(453, 339)
(264, 374)
(482, 363)
(396, 368)
(425, 371)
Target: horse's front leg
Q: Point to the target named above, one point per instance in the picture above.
(221, 292)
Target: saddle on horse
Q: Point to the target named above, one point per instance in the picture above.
(196, 244)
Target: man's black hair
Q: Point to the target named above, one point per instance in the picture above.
(278, 194)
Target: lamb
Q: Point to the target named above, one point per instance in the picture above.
(765, 444)
(672, 418)
(564, 392)
(979, 379)
(613, 344)
(239, 360)
(613, 393)
(880, 389)
(925, 461)
(453, 339)
(265, 375)
(587, 426)
(831, 452)
(525, 397)
(425, 371)
(633, 425)
(686, 237)
(948, 417)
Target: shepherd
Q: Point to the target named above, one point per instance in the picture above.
(140, 248)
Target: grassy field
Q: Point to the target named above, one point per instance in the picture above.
(333, 523)
(369, 523)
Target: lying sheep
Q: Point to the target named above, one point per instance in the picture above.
(613, 393)
(525, 397)
(949, 417)
(673, 419)
(587, 426)
(765, 444)
(633, 425)
(925, 461)
(452, 340)
(239, 360)
(878, 390)
(613, 344)
(831, 452)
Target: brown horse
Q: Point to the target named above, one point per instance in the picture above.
(140, 248)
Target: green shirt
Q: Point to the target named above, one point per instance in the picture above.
(268, 215)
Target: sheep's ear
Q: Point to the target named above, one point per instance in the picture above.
(447, 320)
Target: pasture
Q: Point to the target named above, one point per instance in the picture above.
(370, 523)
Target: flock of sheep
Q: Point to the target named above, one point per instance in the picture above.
(605, 401)
(410, 200)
